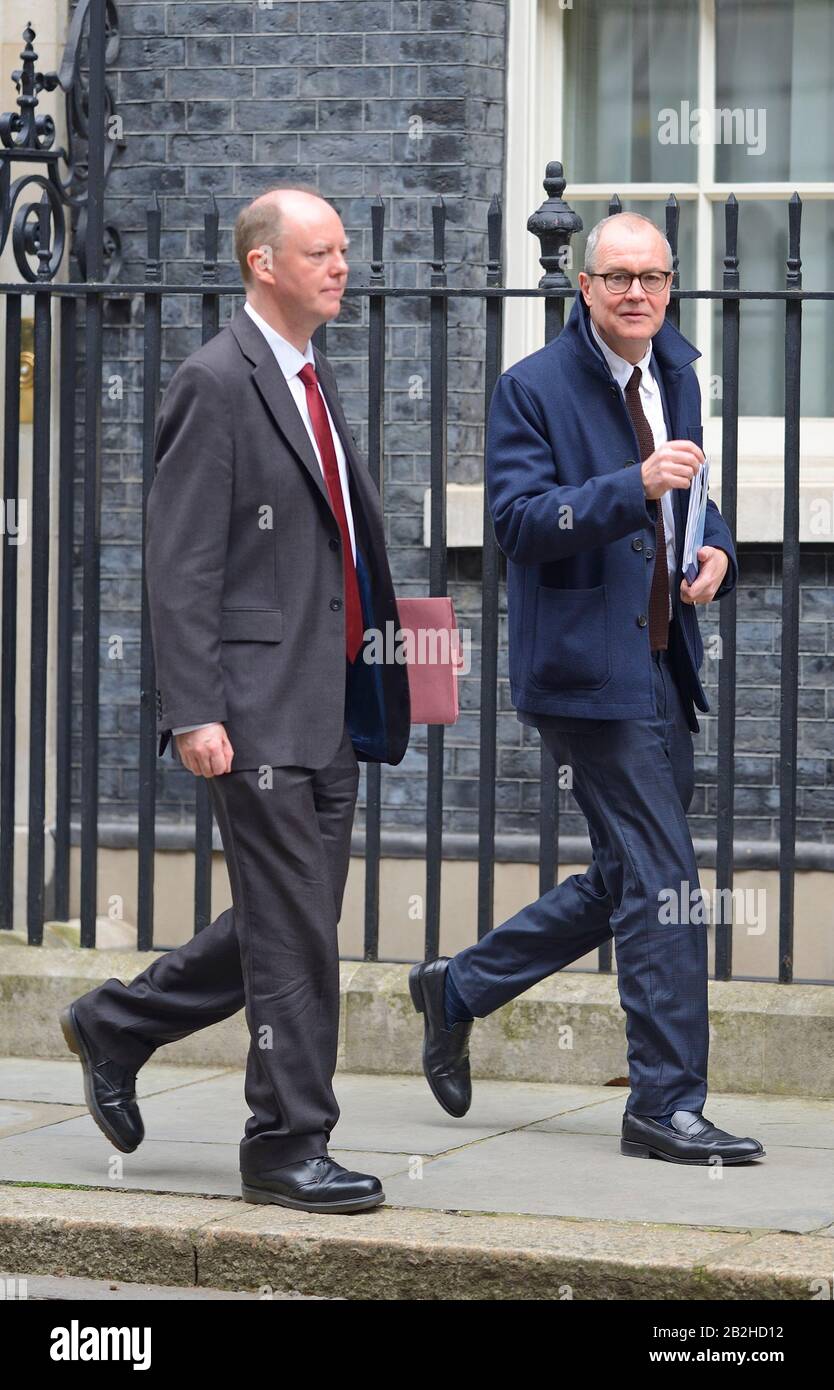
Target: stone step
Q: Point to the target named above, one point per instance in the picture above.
(569, 1029)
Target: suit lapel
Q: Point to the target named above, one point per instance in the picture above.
(272, 385)
(277, 397)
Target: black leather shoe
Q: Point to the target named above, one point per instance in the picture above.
(109, 1089)
(691, 1139)
(314, 1184)
(445, 1050)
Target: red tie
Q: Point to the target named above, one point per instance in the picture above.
(354, 626)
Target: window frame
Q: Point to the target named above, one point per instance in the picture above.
(535, 135)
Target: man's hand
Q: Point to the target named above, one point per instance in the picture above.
(206, 752)
(674, 464)
(710, 576)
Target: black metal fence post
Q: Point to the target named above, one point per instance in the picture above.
(151, 357)
(94, 346)
(210, 304)
(66, 546)
(439, 329)
(789, 662)
(673, 212)
(376, 429)
(725, 779)
(490, 571)
(554, 223)
(39, 607)
(8, 721)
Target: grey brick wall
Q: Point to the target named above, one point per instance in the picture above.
(224, 98)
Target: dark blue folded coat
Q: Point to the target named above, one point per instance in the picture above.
(565, 493)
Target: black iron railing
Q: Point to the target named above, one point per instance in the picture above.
(38, 233)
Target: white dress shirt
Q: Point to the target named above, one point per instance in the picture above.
(291, 362)
(652, 403)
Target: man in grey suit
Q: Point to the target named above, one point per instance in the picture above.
(265, 566)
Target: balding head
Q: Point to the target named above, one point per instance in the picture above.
(292, 251)
(262, 222)
(623, 226)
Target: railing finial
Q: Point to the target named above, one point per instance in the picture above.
(554, 223)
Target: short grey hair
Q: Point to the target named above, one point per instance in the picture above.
(596, 232)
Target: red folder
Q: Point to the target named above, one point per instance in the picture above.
(431, 640)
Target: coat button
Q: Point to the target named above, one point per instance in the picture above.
(649, 554)
(333, 543)
(335, 604)
(628, 463)
(637, 544)
(641, 620)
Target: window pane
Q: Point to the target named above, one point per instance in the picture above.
(625, 62)
(591, 211)
(775, 64)
(763, 250)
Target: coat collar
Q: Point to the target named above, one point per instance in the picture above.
(671, 349)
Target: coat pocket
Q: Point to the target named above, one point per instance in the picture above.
(571, 641)
(251, 624)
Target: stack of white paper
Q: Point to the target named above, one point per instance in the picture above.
(694, 537)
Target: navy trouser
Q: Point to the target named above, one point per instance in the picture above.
(633, 779)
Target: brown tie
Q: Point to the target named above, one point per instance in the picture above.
(659, 595)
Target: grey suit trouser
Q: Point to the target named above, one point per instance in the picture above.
(275, 952)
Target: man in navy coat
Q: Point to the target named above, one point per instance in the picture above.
(592, 445)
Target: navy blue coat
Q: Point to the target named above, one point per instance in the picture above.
(565, 493)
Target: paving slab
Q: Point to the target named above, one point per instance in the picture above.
(788, 1121)
(585, 1175)
(16, 1117)
(525, 1153)
(403, 1114)
(62, 1082)
(156, 1166)
(211, 1107)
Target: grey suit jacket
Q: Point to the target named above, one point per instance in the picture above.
(243, 563)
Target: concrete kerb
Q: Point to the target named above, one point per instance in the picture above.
(394, 1253)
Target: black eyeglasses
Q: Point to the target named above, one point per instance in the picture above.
(619, 281)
